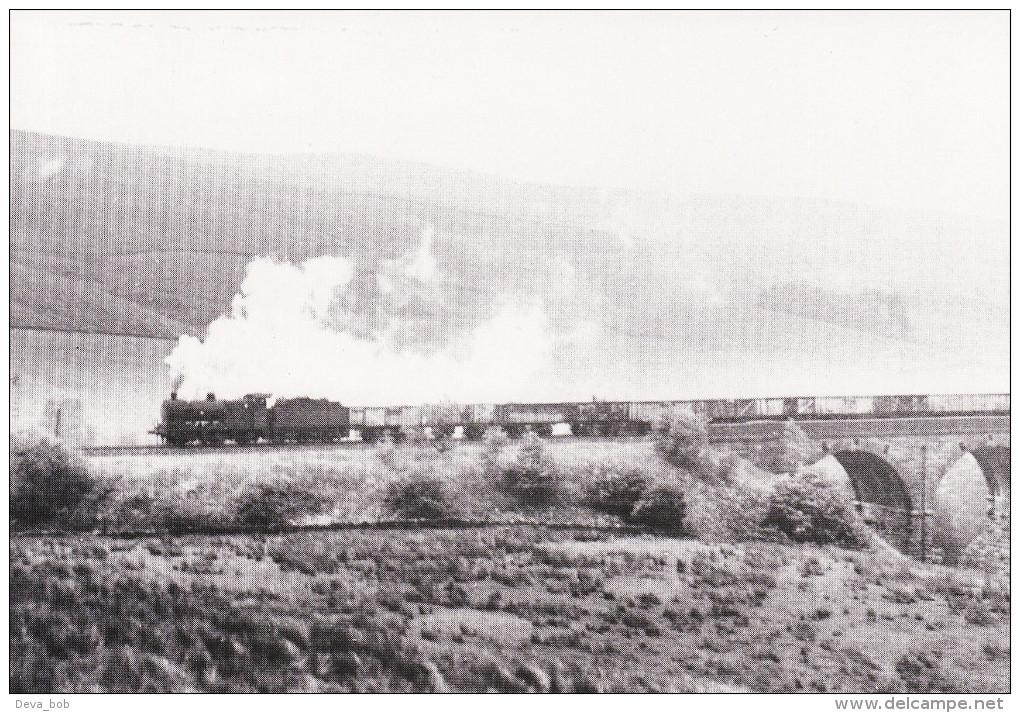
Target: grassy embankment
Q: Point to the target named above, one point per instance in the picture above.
(716, 595)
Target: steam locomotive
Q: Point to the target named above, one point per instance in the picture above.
(213, 422)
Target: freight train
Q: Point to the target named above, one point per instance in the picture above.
(213, 422)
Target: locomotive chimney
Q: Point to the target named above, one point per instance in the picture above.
(210, 396)
(173, 395)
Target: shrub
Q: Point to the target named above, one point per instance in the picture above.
(272, 506)
(807, 507)
(421, 496)
(494, 450)
(723, 495)
(415, 437)
(682, 441)
(724, 512)
(441, 440)
(663, 508)
(174, 506)
(924, 671)
(614, 490)
(793, 450)
(531, 478)
(978, 613)
(989, 551)
(50, 484)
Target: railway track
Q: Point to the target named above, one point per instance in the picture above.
(718, 431)
(111, 451)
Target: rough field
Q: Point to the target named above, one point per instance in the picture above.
(504, 608)
(618, 566)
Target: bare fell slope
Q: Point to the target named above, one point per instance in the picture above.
(116, 239)
(166, 234)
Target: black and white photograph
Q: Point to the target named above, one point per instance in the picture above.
(421, 351)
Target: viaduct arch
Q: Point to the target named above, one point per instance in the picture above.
(994, 462)
(883, 496)
(901, 469)
(874, 480)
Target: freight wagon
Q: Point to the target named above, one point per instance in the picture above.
(300, 420)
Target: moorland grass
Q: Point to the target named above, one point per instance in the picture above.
(505, 609)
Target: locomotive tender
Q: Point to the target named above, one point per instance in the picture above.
(213, 422)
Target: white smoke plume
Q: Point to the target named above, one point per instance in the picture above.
(282, 337)
(415, 329)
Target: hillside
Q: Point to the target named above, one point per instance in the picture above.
(645, 296)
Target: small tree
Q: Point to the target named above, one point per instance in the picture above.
(494, 450)
(989, 551)
(682, 441)
(531, 478)
(808, 507)
(793, 450)
(273, 506)
(48, 482)
(614, 490)
(422, 495)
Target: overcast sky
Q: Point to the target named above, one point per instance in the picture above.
(908, 109)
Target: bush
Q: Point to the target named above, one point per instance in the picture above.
(682, 441)
(494, 450)
(273, 506)
(172, 501)
(723, 495)
(793, 450)
(386, 451)
(50, 484)
(989, 551)
(614, 490)
(662, 508)
(531, 478)
(724, 512)
(422, 496)
(807, 507)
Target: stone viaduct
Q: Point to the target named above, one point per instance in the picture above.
(906, 473)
